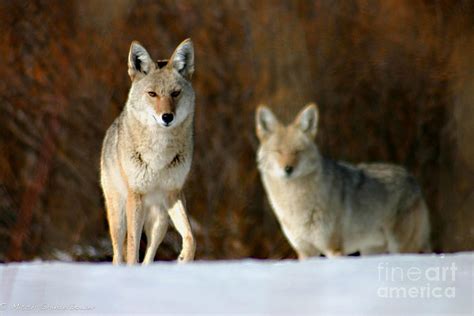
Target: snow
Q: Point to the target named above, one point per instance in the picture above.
(437, 284)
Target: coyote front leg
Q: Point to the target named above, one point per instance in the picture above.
(135, 221)
(116, 216)
(180, 220)
(156, 225)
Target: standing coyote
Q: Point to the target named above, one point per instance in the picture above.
(334, 207)
(147, 152)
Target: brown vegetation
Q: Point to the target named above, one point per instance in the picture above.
(394, 81)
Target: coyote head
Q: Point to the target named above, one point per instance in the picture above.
(287, 151)
(161, 93)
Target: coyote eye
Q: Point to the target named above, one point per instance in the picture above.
(175, 94)
(152, 94)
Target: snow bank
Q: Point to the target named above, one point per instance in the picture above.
(379, 285)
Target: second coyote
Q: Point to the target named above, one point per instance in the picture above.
(332, 207)
(147, 153)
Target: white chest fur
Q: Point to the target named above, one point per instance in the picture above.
(159, 161)
(297, 208)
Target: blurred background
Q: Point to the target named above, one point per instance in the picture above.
(394, 80)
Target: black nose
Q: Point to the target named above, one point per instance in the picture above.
(288, 170)
(167, 118)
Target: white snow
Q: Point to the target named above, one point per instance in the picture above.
(355, 285)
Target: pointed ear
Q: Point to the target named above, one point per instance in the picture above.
(265, 121)
(307, 120)
(139, 61)
(182, 59)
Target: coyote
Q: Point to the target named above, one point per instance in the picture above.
(332, 207)
(147, 152)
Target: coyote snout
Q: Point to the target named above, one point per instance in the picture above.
(287, 161)
(165, 109)
(334, 207)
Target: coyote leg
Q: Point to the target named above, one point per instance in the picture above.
(155, 228)
(180, 220)
(116, 218)
(135, 219)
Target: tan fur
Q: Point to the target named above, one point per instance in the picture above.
(164, 105)
(331, 207)
(147, 154)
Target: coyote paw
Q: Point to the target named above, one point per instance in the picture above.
(188, 251)
(186, 256)
(184, 259)
(334, 253)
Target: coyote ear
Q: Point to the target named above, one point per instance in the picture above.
(307, 120)
(266, 122)
(182, 59)
(139, 61)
